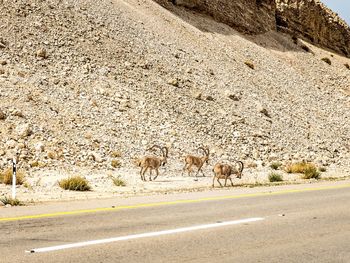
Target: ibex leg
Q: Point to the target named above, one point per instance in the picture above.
(231, 181)
(150, 174)
(184, 169)
(141, 174)
(213, 181)
(157, 173)
(199, 169)
(217, 179)
(189, 169)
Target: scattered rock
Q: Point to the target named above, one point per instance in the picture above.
(17, 113)
(42, 53)
(234, 97)
(2, 43)
(197, 95)
(264, 111)
(11, 144)
(39, 147)
(2, 115)
(250, 64)
(96, 157)
(174, 82)
(210, 98)
(23, 130)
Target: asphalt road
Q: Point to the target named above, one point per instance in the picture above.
(304, 226)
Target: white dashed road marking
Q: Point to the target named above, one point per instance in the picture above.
(150, 234)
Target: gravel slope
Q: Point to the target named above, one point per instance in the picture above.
(83, 84)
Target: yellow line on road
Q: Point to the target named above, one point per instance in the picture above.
(216, 198)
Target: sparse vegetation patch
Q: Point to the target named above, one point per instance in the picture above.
(116, 154)
(6, 177)
(275, 165)
(118, 181)
(10, 201)
(75, 183)
(275, 177)
(311, 173)
(308, 170)
(115, 163)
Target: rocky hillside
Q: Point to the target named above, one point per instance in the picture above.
(248, 16)
(84, 82)
(315, 22)
(309, 19)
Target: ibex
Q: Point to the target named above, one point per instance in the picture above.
(152, 162)
(196, 161)
(224, 171)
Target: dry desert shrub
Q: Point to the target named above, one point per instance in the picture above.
(115, 163)
(51, 155)
(116, 154)
(75, 183)
(296, 168)
(6, 176)
(308, 170)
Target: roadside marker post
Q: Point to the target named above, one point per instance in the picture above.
(14, 170)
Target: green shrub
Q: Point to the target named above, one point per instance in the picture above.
(275, 165)
(75, 183)
(117, 181)
(327, 60)
(275, 177)
(10, 201)
(6, 177)
(311, 173)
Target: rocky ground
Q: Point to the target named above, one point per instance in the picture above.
(83, 84)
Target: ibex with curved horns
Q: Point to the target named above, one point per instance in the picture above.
(152, 162)
(191, 160)
(224, 171)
